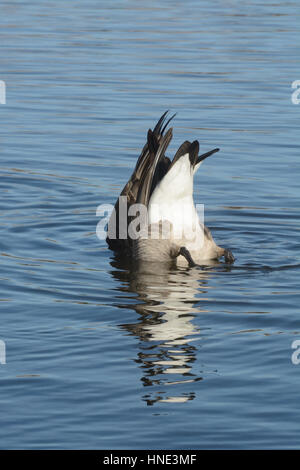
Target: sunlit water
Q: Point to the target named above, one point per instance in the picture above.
(100, 355)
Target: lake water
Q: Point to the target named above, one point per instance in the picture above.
(101, 356)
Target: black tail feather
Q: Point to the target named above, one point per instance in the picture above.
(205, 155)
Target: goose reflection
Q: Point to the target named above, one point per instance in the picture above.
(168, 300)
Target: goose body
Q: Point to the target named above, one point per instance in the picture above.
(171, 228)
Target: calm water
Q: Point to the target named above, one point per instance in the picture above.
(98, 356)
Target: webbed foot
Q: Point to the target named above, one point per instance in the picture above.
(187, 255)
(228, 256)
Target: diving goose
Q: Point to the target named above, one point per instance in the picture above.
(158, 200)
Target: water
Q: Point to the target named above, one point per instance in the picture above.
(98, 356)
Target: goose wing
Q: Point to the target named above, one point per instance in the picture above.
(150, 168)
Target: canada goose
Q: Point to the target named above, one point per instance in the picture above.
(170, 228)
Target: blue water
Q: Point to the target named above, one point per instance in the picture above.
(101, 356)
